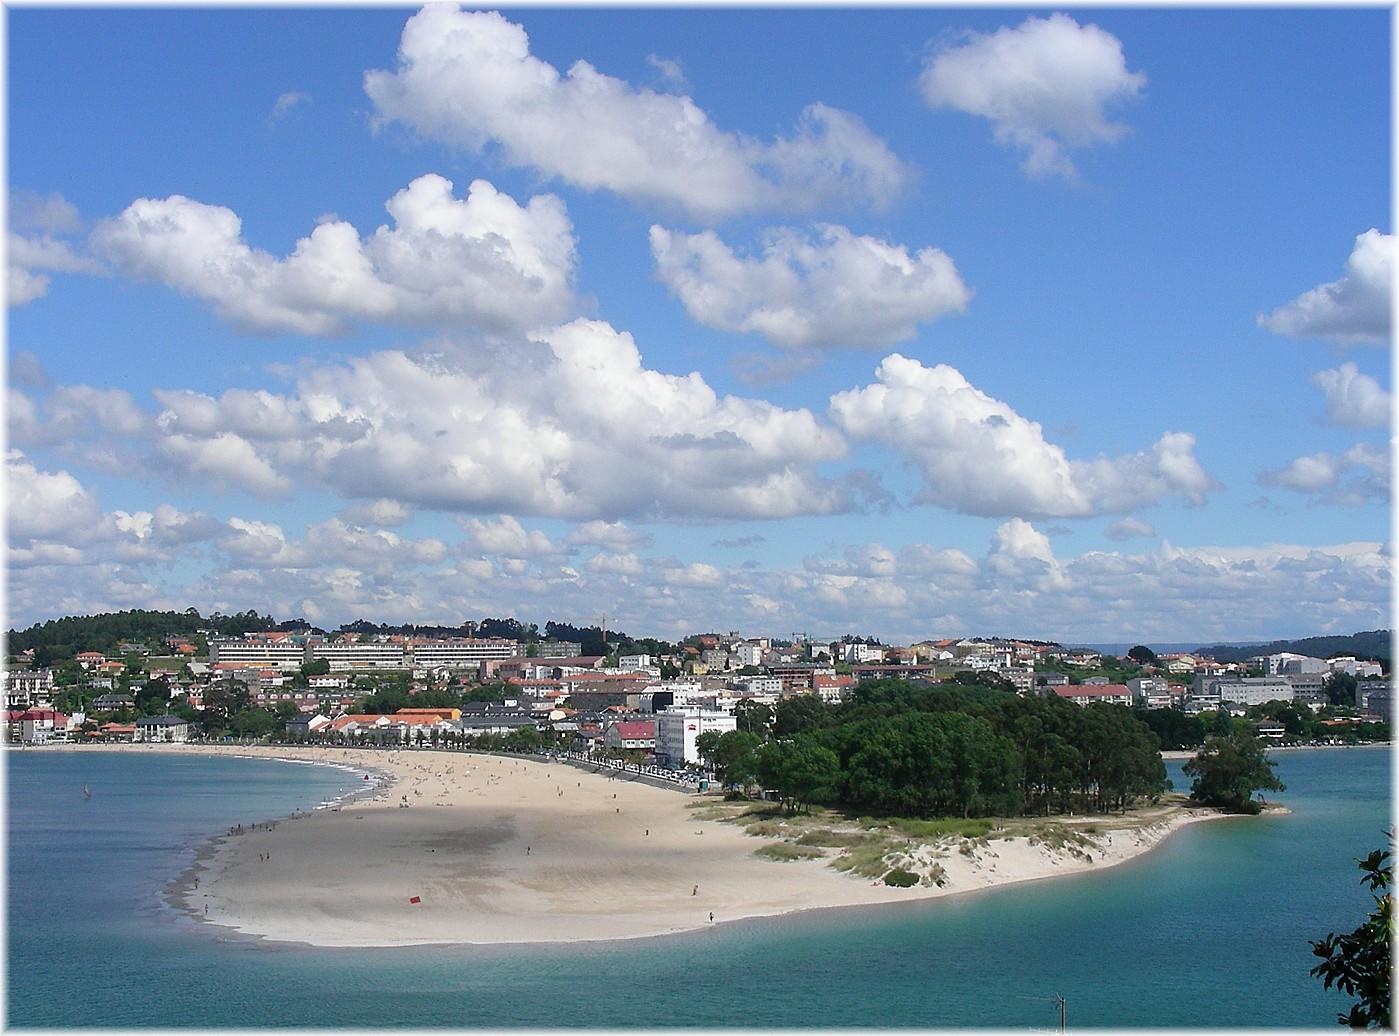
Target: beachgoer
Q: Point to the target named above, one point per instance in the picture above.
(526, 850)
(711, 917)
(696, 891)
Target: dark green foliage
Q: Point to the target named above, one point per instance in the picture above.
(797, 713)
(1173, 728)
(1228, 770)
(735, 757)
(1340, 689)
(901, 879)
(316, 667)
(1361, 963)
(62, 638)
(802, 771)
(753, 717)
(1142, 655)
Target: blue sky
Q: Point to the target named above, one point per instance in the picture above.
(1066, 324)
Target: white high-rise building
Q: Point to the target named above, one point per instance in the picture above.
(258, 653)
(351, 654)
(461, 652)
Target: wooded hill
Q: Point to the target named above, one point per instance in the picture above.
(1373, 644)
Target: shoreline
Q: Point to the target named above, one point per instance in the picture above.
(616, 860)
(1190, 753)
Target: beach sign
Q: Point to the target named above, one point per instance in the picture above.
(415, 899)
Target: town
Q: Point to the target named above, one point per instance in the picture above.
(645, 703)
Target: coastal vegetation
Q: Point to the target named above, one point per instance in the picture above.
(1229, 770)
(900, 749)
(1361, 963)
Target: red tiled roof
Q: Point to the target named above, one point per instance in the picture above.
(639, 730)
(1102, 690)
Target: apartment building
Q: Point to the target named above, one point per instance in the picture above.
(345, 655)
(461, 652)
(678, 729)
(257, 653)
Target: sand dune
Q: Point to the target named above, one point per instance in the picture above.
(500, 850)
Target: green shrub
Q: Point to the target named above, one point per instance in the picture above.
(900, 878)
(786, 852)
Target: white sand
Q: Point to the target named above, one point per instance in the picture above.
(503, 850)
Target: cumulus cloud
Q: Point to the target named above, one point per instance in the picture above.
(1044, 85)
(1021, 558)
(507, 537)
(614, 536)
(224, 461)
(978, 456)
(1357, 476)
(1129, 529)
(36, 244)
(44, 505)
(1353, 399)
(444, 432)
(378, 513)
(672, 75)
(1354, 309)
(467, 78)
(483, 262)
(833, 288)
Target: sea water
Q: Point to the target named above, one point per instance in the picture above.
(1210, 929)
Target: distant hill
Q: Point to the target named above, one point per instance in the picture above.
(1372, 644)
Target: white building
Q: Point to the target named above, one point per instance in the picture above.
(1359, 670)
(628, 662)
(258, 653)
(748, 654)
(461, 652)
(161, 728)
(758, 685)
(677, 729)
(1155, 692)
(715, 658)
(345, 655)
(25, 688)
(1250, 690)
(1022, 679)
(861, 654)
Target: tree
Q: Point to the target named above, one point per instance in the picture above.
(753, 717)
(705, 745)
(1228, 770)
(1340, 688)
(1359, 963)
(735, 758)
(316, 667)
(800, 771)
(797, 713)
(1142, 655)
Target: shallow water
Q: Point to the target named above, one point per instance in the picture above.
(1210, 929)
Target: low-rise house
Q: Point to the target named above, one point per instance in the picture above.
(117, 731)
(631, 735)
(89, 659)
(113, 702)
(36, 726)
(1087, 694)
(307, 724)
(162, 728)
(1271, 730)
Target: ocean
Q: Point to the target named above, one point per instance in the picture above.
(1211, 929)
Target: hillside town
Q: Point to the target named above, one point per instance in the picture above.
(649, 707)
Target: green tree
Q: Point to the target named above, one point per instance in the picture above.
(1360, 963)
(735, 758)
(1142, 655)
(753, 717)
(797, 713)
(1340, 688)
(705, 745)
(316, 667)
(802, 772)
(1228, 770)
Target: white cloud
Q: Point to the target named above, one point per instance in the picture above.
(43, 505)
(287, 102)
(507, 537)
(483, 262)
(1044, 85)
(31, 258)
(1354, 309)
(48, 213)
(804, 292)
(979, 456)
(614, 536)
(467, 78)
(445, 432)
(1353, 399)
(1128, 529)
(1322, 475)
(224, 461)
(672, 75)
(1021, 558)
(380, 513)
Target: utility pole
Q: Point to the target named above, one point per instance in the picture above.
(1059, 999)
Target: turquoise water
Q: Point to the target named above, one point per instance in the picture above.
(1211, 929)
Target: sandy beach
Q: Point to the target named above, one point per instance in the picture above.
(503, 850)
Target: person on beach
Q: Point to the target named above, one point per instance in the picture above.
(696, 891)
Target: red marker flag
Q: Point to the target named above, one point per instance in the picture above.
(415, 899)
